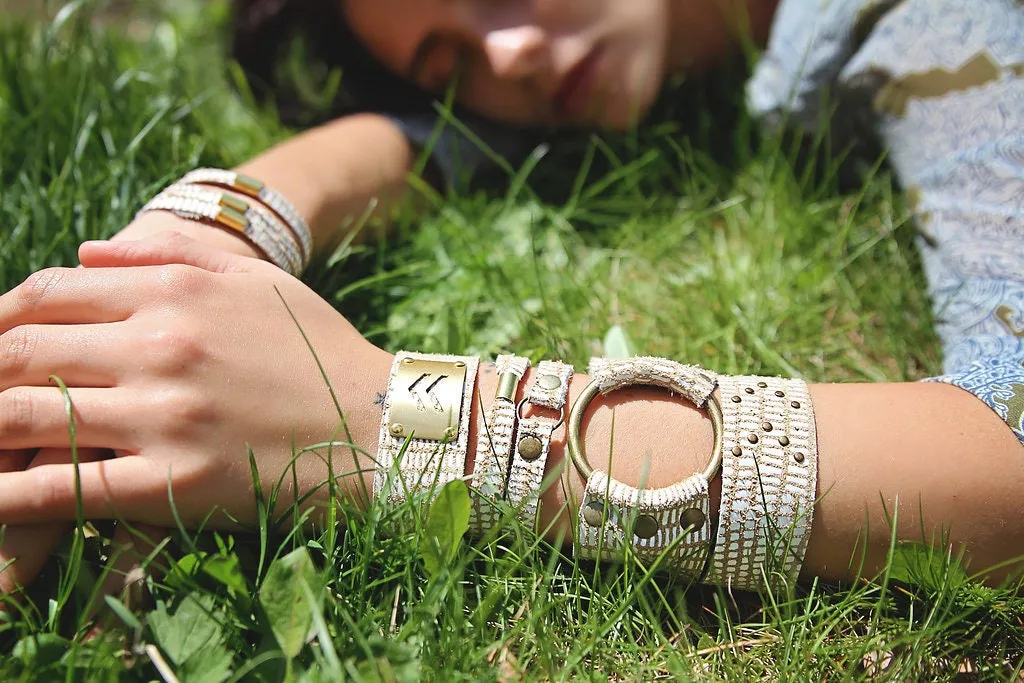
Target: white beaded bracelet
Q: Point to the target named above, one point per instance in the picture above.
(254, 188)
(224, 212)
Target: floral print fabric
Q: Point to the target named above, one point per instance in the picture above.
(942, 83)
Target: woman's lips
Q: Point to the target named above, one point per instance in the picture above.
(573, 94)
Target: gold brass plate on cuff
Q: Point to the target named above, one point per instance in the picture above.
(426, 402)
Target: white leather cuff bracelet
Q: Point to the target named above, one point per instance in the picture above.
(424, 431)
(769, 479)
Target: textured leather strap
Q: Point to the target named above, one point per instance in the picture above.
(769, 478)
(548, 389)
(272, 199)
(423, 388)
(252, 226)
(286, 251)
(673, 521)
(495, 432)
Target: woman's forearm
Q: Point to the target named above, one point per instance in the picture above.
(930, 457)
(333, 174)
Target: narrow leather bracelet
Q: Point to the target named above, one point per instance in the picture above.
(769, 478)
(223, 211)
(673, 521)
(495, 432)
(258, 216)
(256, 189)
(424, 431)
(533, 438)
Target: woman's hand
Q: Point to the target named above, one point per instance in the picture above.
(178, 369)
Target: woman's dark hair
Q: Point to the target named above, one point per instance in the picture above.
(288, 50)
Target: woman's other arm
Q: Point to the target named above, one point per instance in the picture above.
(333, 175)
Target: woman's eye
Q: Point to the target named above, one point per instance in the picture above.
(439, 66)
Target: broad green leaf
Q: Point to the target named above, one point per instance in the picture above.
(447, 523)
(181, 573)
(926, 567)
(288, 609)
(211, 664)
(617, 343)
(192, 640)
(225, 569)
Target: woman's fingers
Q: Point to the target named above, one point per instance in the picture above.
(162, 250)
(131, 487)
(64, 296)
(25, 549)
(36, 417)
(81, 355)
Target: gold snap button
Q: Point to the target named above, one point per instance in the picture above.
(645, 527)
(549, 382)
(593, 513)
(692, 519)
(530, 448)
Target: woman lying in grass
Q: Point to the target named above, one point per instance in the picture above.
(179, 352)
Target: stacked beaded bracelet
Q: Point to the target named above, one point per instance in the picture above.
(273, 200)
(270, 222)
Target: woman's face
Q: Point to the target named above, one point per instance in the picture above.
(597, 63)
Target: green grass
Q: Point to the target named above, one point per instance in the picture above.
(702, 241)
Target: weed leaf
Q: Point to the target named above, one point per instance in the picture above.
(192, 640)
(447, 523)
(617, 343)
(288, 609)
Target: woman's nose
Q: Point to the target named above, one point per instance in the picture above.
(517, 52)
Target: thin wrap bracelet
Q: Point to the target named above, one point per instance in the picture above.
(495, 438)
(225, 212)
(257, 214)
(256, 189)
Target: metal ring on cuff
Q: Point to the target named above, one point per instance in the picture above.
(579, 459)
(561, 414)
